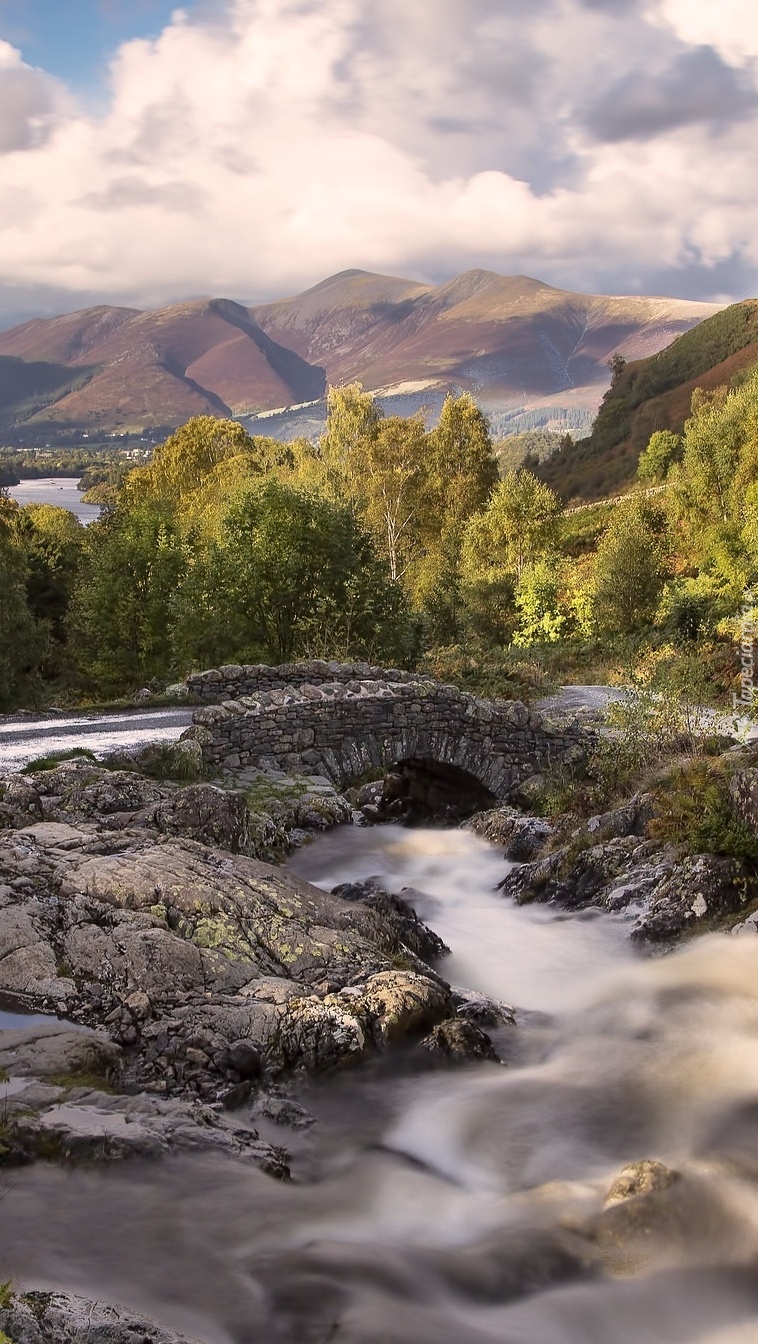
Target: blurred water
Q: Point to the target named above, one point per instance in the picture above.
(531, 956)
(441, 1208)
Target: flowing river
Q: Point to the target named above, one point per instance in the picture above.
(438, 1207)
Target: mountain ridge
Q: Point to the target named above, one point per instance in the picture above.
(511, 340)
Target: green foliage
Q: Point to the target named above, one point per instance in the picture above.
(581, 529)
(645, 398)
(529, 446)
(93, 1082)
(715, 488)
(391, 494)
(518, 527)
(177, 761)
(693, 807)
(537, 599)
(487, 670)
(690, 608)
(24, 642)
(413, 491)
(629, 571)
(119, 619)
(182, 464)
(291, 574)
(52, 541)
(663, 449)
(653, 721)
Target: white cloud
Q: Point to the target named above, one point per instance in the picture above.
(275, 141)
(29, 99)
(730, 27)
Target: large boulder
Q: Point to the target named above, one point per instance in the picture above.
(705, 888)
(206, 813)
(412, 933)
(20, 802)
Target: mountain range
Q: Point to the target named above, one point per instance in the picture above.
(515, 342)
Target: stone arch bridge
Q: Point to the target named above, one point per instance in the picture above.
(348, 721)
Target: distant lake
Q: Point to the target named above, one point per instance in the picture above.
(59, 490)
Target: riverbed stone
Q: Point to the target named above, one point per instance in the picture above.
(394, 1004)
(208, 968)
(61, 1318)
(458, 1041)
(206, 813)
(53, 1049)
(521, 836)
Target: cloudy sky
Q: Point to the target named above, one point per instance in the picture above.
(249, 148)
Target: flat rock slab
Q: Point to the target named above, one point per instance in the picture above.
(59, 1318)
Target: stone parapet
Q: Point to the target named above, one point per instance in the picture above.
(234, 679)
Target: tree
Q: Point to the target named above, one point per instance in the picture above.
(537, 599)
(119, 618)
(462, 463)
(391, 494)
(662, 450)
(616, 364)
(183, 464)
(518, 528)
(291, 574)
(23, 642)
(352, 424)
(461, 474)
(628, 572)
(52, 541)
(711, 500)
(520, 524)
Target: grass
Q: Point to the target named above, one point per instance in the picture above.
(57, 758)
(94, 1082)
(693, 807)
(488, 671)
(267, 792)
(171, 762)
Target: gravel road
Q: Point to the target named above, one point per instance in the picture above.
(592, 701)
(23, 737)
(573, 699)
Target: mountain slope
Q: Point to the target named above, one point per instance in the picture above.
(513, 341)
(160, 368)
(510, 337)
(27, 387)
(652, 394)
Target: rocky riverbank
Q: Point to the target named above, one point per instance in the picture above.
(194, 974)
(623, 860)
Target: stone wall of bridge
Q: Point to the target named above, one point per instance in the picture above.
(234, 680)
(348, 729)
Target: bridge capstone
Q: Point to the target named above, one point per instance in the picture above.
(348, 726)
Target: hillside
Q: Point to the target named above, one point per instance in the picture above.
(26, 386)
(518, 344)
(136, 370)
(651, 394)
